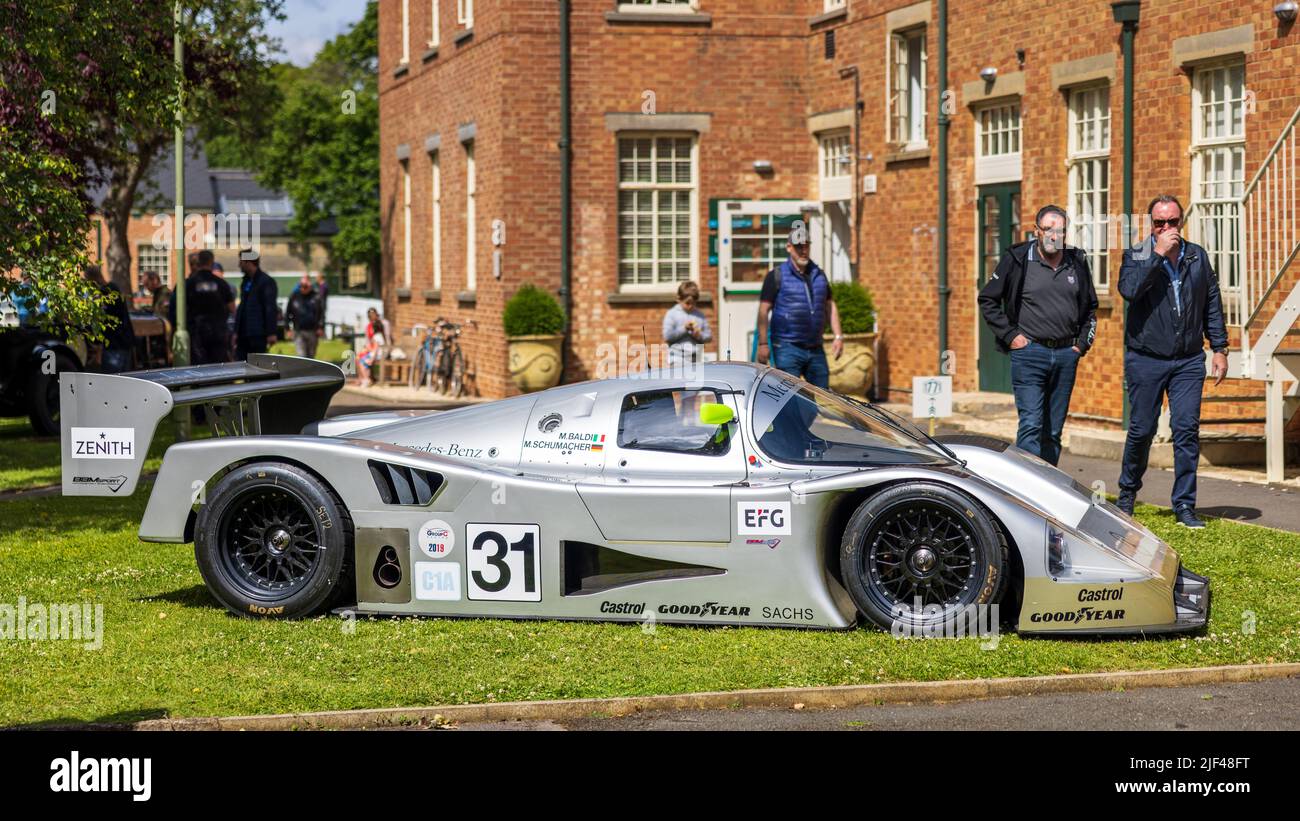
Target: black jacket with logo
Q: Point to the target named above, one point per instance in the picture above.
(1155, 326)
(999, 299)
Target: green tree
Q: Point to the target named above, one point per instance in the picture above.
(87, 101)
(323, 150)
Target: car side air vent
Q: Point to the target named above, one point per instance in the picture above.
(401, 485)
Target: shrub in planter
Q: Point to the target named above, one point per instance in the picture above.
(534, 325)
(854, 371)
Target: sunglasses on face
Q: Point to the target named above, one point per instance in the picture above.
(1171, 222)
(1055, 232)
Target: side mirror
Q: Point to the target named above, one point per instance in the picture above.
(713, 413)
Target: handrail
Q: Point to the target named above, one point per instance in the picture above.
(1263, 166)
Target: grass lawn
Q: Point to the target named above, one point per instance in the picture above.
(168, 650)
(329, 350)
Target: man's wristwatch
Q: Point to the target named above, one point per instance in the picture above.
(1223, 351)
(839, 336)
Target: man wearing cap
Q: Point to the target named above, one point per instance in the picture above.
(797, 295)
(1041, 306)
(255, 324)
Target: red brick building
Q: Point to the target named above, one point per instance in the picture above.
(680, 107)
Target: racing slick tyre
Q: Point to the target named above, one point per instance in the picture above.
(916, 555)
(274, 540)
(43, 395)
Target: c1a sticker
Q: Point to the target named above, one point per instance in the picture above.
(436, 538)
(762, 518)
(437, 581)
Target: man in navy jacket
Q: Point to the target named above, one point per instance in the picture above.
(1174, 306)
(255, 325)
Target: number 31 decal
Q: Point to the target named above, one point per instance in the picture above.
(503, 562)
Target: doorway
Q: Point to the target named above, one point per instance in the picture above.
(999, 219)
(751, 242)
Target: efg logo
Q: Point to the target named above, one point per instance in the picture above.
(763, 518)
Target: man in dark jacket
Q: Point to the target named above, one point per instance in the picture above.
(1041, 306)
(208, 301)
(255, 324)
(1174, 306)
(304, 317)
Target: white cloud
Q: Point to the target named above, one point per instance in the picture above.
(308, 24)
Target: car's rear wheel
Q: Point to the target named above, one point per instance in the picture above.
(274, 540)
(916, 555)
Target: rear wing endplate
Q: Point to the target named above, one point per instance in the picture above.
(107, 422)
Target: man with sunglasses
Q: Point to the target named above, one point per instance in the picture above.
(1042, 308)
(1174, 306)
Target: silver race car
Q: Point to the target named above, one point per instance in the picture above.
(740, 496)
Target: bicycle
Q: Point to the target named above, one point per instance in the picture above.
(449, 369)
(426, 356)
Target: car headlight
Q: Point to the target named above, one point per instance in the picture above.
(1058, 554)
(1075, 555)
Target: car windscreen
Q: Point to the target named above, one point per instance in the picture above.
(797, 423)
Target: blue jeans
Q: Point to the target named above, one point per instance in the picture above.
(1149, 380)
(805, 363)
(1042, 379)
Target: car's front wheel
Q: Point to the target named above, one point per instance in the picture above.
(274, 540)
(915, 556)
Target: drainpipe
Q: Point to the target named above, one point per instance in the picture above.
(856, 202)
(1126, 12)
(944, 122)
(566, 179)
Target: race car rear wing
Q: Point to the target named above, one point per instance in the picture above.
(108, 422)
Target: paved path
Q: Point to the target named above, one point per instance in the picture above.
(1258, 705)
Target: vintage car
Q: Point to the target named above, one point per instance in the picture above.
(735, 495)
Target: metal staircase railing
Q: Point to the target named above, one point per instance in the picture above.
(1269, 230)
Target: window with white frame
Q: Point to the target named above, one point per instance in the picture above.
(832, 5)
(149, 258)
(465, 13)
(436, 161)
(1219, 166)
(406, 31)
(657, 5)
(836, 149)
(471, 187)
(997, 143)
(656, 206)
(406, 223)
(434, 36)
(1089, 173)
(907, 87)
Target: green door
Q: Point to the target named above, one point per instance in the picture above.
(999, 216)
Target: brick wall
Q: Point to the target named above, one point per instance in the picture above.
(759, 69)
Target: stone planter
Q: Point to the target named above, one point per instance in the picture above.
(854, 372)
(535, 361)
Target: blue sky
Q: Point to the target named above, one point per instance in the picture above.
(309, 24)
